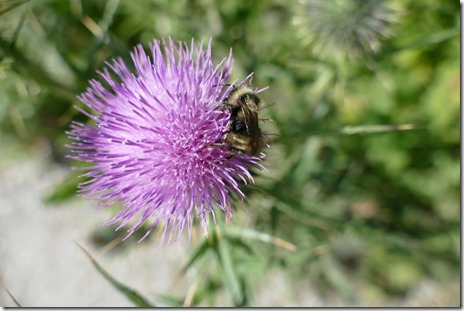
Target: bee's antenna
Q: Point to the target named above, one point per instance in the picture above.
(265, 106)
(266, 120)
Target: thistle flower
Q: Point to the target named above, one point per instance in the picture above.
(155, 146)
(354, 27)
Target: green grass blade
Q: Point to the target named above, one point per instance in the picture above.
(199, 252)
(11, 7)
(12, 297)
(250, 234)
(170, 300)
(230, 277)
(378, 128)
(349, 130)
(432, 39)
(65, 190)
(204, 246)
(132, 295)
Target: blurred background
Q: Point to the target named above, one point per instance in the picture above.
(361, 202)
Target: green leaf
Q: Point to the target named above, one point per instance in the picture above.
(338, 279)
(64, 190)
(132, 295)
(350, 130)
(230, 277)
(432, 39)
(250, 234)
(378, 128)
(201, 250)
(14, 4)
(12, 297)
(170, 300)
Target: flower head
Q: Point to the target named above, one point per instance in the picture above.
(352, 27)
(156, 144)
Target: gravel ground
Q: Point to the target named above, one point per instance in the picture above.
(42, 266)
(41, 263)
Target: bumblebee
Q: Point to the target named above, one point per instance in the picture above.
(243, 135)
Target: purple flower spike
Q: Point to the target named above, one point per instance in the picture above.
(156, 143)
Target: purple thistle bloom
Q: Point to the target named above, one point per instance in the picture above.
(156, 143)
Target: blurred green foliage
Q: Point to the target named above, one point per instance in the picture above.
(372, 213)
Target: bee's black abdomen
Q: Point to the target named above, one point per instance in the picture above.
(239, 126)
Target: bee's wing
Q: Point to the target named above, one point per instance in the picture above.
(253, 130)
(251, 121)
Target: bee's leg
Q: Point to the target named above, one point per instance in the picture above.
(225, 106)
(221, 143)
(216, 145)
